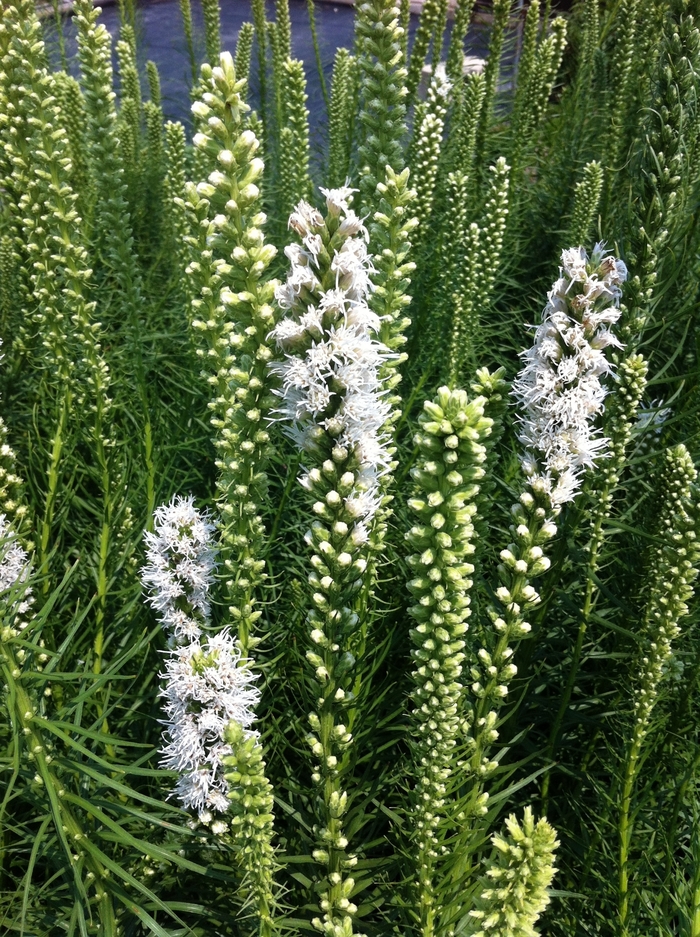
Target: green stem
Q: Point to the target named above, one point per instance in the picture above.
(150, 466)
(695, 922)
(317, 50)
(625, 829)
(591, 591)
(50, 502)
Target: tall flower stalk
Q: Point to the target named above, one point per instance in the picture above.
(559, 388)
(447, 480)
(232, 311)
(209, 698)
(673, 569)
(332, 405)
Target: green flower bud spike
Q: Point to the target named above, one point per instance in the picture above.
(447, 477)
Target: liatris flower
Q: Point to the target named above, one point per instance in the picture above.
(334, 403)
(560, 387)
(331, 389)
(207, 683)
(181, 562)
(448, 473)
(207, 686)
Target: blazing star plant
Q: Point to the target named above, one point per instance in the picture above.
(347, 561)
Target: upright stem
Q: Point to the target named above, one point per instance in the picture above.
(625, 827)
(596, 543)
(50, 500)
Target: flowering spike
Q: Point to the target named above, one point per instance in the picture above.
(332, 398)
(207, 681)
(382, 93)
(244, 51)
(334, 407)
(207, 686)
(340, 115)
(559, 387)
(180, 567)
(15, 569)
(586, 197)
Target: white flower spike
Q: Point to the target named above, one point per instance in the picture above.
(180, 567)
(560, 386)
(207, 682)
(330, 375)
(207, 685)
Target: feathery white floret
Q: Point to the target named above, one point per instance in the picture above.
(207, 685)
(560, 386)
(14, 566)
(181, 562)
(330, 374)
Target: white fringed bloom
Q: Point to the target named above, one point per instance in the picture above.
(14, 567)
(207, 682)
(560, 387)
(330, 375)
(207, 685)
(180, 567)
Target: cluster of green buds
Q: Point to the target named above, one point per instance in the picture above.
(518, 876)
(112, 239)
(340, 114)
(447, 477)
(426, 147)
(431, 26)
(493, 670)
(251, 817)
(232, 310)
(674, 567)
(382, 91)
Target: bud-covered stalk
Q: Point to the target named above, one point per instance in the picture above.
(492, 70)
(430, 27)
(340, 116)
(672, 571)
(447, 479)
(244, 51)
(294, 154)
(586, 198)
(382, 93)
(334, 410)
(233, 312)
(390, 240)
(425, 152)
(212, 29)
(59, 278)
(455, 52)
(252, 818)
(174, 216)
(493, 670)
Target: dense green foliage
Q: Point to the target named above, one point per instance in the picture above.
(478, 711)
